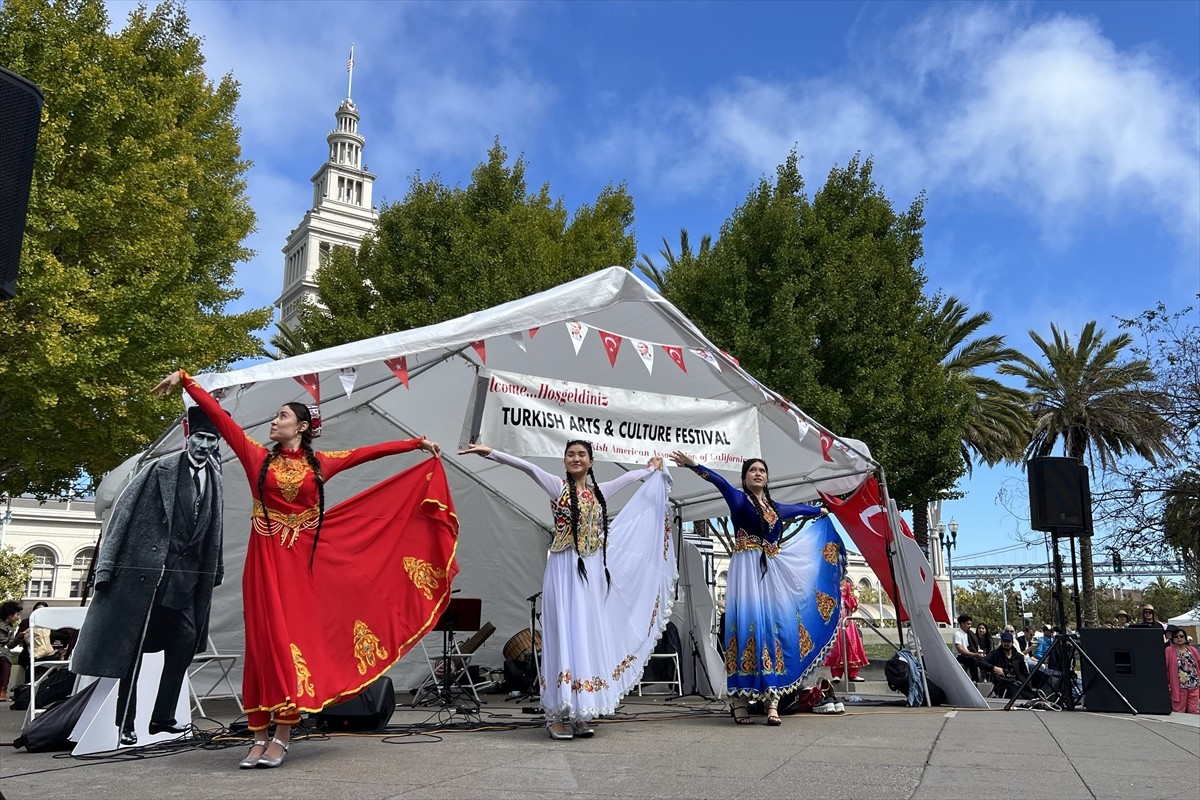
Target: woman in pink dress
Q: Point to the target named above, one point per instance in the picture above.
(849, 638)
(1183, 673)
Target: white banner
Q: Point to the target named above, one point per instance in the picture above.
(530, 416)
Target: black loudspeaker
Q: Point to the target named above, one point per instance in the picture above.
(1060, 498)
(369, 710)
(1134, 660)
(20, 117)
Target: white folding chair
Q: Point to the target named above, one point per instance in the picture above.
(219, 665)
(42, 668)
(460, 680)
(677, 681)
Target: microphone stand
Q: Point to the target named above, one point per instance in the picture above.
(534, 652)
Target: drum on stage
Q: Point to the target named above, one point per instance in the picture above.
(522, 645)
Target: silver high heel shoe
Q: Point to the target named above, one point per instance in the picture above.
(582, 729)
(250, 763)
(561, 736)
(267, 763)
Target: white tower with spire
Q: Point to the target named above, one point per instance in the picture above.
(341, 214)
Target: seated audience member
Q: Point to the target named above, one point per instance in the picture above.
(10, 617)
(1026, 640)
(1009, 670)
(1183, 673)
(1122, 619)
(41, 646)
(966, 648)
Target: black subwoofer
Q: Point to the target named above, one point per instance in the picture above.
(20, 118)
(371, 710)
(1134, 660)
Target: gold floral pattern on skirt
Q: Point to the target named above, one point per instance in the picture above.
(830, 552)
(748, 541)
(768, 666)
(826, 605)
(731, 655)
(423, 575)
(289, 474)
(749, 656)
(806, 644)
(367, 647)
(780, 668)
(304, 684)
(624, 665)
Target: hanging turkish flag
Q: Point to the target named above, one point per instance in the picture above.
(826, 443)
(481, 349)
(731, 358)
(533, 331)
(864, 517)
(675, 354)
(312, 384)
(612, 345)
(399, 368)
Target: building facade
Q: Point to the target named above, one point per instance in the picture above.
(62, 535)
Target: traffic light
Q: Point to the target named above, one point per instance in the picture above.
(1116, 561)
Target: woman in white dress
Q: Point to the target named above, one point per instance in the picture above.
(607, 589)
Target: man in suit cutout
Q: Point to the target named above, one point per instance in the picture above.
(159, 560)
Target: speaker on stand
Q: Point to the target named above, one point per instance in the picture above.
(20, 118)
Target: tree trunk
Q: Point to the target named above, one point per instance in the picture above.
(920, 526)
(1087, 574)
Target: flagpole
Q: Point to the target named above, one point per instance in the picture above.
(350, 69)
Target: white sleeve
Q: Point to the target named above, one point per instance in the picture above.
(552, 484)
(609, 488)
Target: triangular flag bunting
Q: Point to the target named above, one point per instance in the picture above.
(646, 352)
(399, 368)
(533, 332)
(731, 358)
(826, 443)
(612, 345)
(518, 340)
(707, 356)
(481, 349)
(348, 376)
(578, 332)
(802, 426)
(312, 384)
(675, 354)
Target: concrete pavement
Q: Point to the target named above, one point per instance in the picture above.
(662, 749)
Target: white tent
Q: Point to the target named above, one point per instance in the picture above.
(503, 515)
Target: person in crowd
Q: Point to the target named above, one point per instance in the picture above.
(41, 647)
(847, 651)
(1122, 619)
(780, 600)
(607, 587)
(158, 569)
(322, 623)
(1043, 643)
(1183, 673)
(10, 619)
(1008, 667)
(966, 649)
(1026, 640)
(983, 647)
(1150, 620)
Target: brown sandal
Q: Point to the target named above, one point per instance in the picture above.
(744, 717)
(773, 718)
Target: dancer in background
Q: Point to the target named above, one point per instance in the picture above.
(327, 610)
(781, 599)
(854, 657)
(608, 589)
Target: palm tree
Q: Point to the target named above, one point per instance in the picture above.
(658, 276)
(287, 343)
(1098, 406)
(998, 422)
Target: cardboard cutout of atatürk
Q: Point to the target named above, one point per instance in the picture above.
(160, 558)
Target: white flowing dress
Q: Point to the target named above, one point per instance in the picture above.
(596, 639)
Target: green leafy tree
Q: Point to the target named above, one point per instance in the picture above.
(15, 571)
(136, 216)
(1169, 599)
(823, 302)
(1099, 407)
(442, 252)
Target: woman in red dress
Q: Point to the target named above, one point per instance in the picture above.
(325, 612)
(855, 657)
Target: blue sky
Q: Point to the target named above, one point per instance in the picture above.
(1058, 143)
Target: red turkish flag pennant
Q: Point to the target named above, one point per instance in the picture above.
(312, 384)
(612, 345)
(533, 331)
(675, 354)
(481, 349)
(399, 368)
(826, 443)
(731, 358)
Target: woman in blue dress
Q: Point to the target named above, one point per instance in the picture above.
(781, 602)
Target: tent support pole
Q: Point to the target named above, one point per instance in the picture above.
(895, 552)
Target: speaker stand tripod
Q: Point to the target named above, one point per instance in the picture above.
(533, 692)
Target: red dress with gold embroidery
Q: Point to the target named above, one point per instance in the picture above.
(380, 578)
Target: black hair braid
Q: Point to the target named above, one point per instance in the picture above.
(262, 482)
(574, 495)
(316, 468)
(604, 525)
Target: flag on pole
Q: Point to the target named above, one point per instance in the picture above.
(350, 60)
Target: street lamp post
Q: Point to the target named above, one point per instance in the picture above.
(949, 544)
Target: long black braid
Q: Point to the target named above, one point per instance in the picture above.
(604, 525)
(302, 415)
(762, 517)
